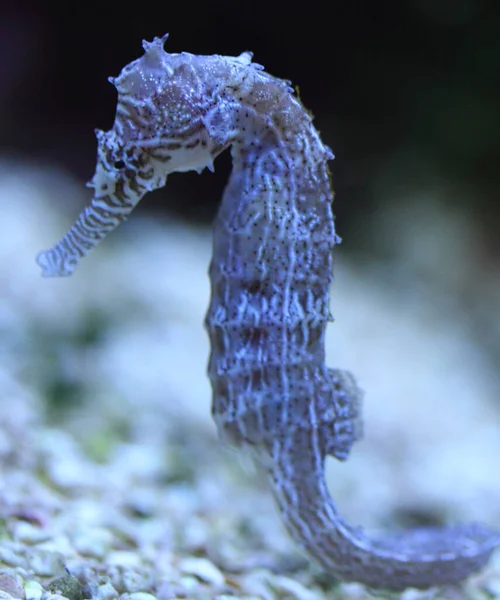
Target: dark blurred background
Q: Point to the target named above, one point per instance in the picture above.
(406, 92)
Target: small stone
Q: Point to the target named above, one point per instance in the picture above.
(292, 587)
(12, 584)
(94, 542)
(142, 502)
(256, 584)
(229, 597)
(10, 558)
(123, 558)
(29, 534)
(141, 596)
(105, 592)
(165, 590)
(67, 586)
(81, 569)
(126, 580)
(33, 590)
(46, 563)
(187, 586)
(203, 569)
(135, 581)
(50, 596)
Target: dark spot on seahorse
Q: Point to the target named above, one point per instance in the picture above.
(163, 158)
(254, 337)
(173, 145)
(257, 379)
(147, 173)
(192, 144)
(134, 185)
(315, 336)
(143, 159)
(218, 340)
(119, 189)
(221, 387)
(255, 286)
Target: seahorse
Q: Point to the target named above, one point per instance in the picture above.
(270, 274)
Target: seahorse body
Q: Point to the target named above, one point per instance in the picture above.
(270, 274)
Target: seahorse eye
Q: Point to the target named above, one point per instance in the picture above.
(119, 164)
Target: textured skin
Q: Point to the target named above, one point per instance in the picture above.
(270, 273)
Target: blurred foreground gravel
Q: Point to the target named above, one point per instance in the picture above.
(112, 481)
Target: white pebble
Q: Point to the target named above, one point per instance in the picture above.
(29, 534)
(229, 597)
(50, 596)
(123, 558)
(135, 581)
(11, 583)
(292, 587)
(46, 563)
(105, 592)
(203, 569)
(33, 590)
(10, 558)
(165, 590)
(141, 596)
(94, 542)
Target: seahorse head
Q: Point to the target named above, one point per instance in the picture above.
(169, 117)
(159, 124)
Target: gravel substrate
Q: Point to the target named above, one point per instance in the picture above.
(112, 481)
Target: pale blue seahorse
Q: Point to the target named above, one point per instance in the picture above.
(270, 275)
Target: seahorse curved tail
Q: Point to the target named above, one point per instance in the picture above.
(419, 558)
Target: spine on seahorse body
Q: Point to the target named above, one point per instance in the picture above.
(270, 276)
